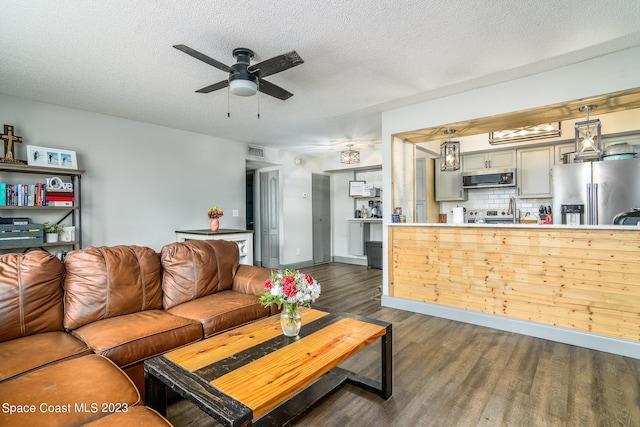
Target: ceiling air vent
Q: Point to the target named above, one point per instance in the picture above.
(255, 151)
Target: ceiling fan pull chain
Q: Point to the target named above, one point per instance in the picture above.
(258, 105)
(228, 102)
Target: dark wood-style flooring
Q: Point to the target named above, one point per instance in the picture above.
(447, 373)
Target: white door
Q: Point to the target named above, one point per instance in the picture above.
(270, 219)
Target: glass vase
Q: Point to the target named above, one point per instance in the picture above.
(215, 224)
(291, 320)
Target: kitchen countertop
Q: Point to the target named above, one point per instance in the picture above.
(537, 226)
(365, 219)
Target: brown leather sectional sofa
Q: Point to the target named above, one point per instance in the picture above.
(103, 311)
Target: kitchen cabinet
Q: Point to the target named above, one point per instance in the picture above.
(534, 172)
(361, 231)
(561, 149)
(493, 160)
(449, 186)
(356, 237)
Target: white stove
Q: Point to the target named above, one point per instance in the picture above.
(491, 216)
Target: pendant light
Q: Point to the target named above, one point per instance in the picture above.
(350, 157)
(450, 153)
(588, 144)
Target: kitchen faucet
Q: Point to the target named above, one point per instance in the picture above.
(512, 208)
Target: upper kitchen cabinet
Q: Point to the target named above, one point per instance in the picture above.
(493, 160)
(449, 185)
(562, 149)
(534, 172)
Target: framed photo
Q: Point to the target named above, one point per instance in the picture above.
(356, 188)
(51, 157)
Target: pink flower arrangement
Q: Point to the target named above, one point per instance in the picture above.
(291, 288)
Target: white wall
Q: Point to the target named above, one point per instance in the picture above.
(142, 181)
(296, 228)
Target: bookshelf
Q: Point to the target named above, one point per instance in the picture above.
(17, 174)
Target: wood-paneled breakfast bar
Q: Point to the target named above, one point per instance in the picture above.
(579, 285)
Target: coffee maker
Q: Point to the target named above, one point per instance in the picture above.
(572, 214)
(373, 209)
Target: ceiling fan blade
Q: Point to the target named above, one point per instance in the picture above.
(273, 90)
(215, 86)
(276, 64)
(204, 58)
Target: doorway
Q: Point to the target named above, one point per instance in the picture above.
(321, 218)
(270, 219)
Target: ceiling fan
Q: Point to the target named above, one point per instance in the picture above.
(245, 79)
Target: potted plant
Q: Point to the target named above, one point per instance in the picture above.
(51, 231)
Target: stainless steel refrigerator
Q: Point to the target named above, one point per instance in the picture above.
(603, 188)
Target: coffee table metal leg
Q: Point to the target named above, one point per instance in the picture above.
(155, 394)
(387, 365)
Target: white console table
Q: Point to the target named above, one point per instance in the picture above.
(243, 238)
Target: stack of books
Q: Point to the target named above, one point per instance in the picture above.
(59, 198)
(34, 195)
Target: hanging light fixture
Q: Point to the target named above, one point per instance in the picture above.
(588, 144)
(350, 157)
(450, 153)
(525, 133)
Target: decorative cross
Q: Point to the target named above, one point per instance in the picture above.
(9, 139)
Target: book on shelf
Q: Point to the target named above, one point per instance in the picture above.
(59, 203)
(49, 198)
(22, 194)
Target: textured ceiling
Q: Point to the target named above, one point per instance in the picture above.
(361, 57)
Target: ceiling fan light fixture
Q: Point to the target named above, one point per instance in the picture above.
(350, 156)
(243, 87)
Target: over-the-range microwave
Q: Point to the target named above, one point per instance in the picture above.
(489, 178)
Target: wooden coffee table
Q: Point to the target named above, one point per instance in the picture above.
(253, 374)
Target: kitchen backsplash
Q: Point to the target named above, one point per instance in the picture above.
(496, 198)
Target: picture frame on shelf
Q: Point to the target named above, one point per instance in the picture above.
(51, 157)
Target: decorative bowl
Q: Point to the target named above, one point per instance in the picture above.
(618, 148)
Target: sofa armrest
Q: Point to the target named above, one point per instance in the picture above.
(250, 279)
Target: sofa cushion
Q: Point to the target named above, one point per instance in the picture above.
(106, 282)
(221, 311)
(132, 338)
(196, 268)
(23, 355)
(30, 294)
(58, 392)
(138, 416)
